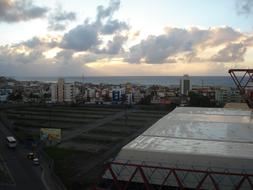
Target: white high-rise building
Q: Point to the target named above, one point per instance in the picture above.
(185, 85)
(63, 92)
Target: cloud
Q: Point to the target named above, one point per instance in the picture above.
(43, 43)
(64, 57)
(108, 12)
(156, 49)
(105, 39)
(83, 44)
(218, 36)
(14, 56)
(32, 43)
(244, 6)
(188, 42)
(233, 52)
(20, 10)
(113, 26)
(81, 38)
(59, 19)
(114, 46)
(88, 36)
(104, 19)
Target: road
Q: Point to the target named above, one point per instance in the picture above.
(26, 175)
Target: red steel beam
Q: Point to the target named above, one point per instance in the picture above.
(173, 171)
(240, 70)
(243, 83)
(178, 169)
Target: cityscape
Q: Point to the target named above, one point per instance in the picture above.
(61, 92)
(126, 95)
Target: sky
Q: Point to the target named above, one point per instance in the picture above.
(124, 38)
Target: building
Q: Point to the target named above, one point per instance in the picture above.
(118, 94)
(226, 95)
(137, 96)
(185, 85)
(129, 98)
(63, 92)
(4, 93)
(195, 148)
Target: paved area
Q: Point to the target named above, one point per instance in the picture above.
(25, 174)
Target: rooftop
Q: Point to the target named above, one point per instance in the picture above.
(211, 133)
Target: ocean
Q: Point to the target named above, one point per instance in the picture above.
(141, 80)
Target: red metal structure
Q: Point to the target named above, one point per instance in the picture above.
(242, 79)
(215, 177)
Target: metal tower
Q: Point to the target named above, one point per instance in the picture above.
(243, 79)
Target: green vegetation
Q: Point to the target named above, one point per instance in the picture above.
(5, 178)
(62, 159)
(22, 134)
(66, 164)
(15, 96)
(198, 100)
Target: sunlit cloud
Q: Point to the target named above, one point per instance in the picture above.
(51, 53)
(106, 45)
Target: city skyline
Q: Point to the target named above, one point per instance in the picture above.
(124, 38)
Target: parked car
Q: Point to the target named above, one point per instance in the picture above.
(36, 161)
(31, 155)
(11, 142)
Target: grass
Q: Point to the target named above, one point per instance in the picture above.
(5, 178)
(62, 160)
(22, 135)
(66, 165)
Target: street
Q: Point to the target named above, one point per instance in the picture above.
(25, 174)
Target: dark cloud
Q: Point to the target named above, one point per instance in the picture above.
(9, 56)
(233, 52)
(163, 48)
(114, 46)
(244, 6)
(32, 43)
(108, 12)
(20, 10)
(104, 20)
(60, 19)
(81, 38)
(40, 43)
(113, 26)
(64, 57)
(86, 37)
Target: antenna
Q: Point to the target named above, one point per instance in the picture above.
(83, 78)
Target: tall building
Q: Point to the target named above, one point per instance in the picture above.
(63, 92)
(185, 85)
(60, 90)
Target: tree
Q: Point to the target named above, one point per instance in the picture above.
(146, 100)
(15, 96)
(199, 100)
